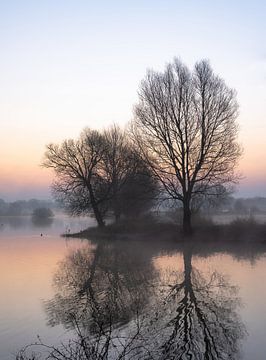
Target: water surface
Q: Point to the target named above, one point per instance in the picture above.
(190, 300)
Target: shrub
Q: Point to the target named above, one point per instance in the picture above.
(42, 213)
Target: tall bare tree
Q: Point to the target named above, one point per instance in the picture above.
(185, 125)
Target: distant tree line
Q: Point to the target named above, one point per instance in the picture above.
(23, 207)
(232, 205)
(249, 206)
(181, 146)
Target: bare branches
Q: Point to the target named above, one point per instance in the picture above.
(186, 130)
(101, 172)
(77, 166)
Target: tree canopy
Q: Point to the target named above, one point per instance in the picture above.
(96, 172)
(185, 126)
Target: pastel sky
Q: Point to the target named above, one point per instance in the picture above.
(68, 64)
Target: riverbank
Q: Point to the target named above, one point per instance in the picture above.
(148, 228)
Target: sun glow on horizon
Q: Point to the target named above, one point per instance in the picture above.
(65, 66)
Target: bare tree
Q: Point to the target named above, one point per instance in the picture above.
(185, 125)
(97, 172)
(77, 165)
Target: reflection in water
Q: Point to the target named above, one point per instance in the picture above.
(42, 221)
(180, 315)
(15, 222)
(100, 286)
(29, 225)
(8, 223)
(200, 316)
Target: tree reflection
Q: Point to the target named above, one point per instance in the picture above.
(101, 286)
(200, 319)
(188, 314)
(42, 222)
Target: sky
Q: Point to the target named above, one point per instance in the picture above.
(65, 65)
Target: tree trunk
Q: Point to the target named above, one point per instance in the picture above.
(115, 200)
(187, 257)
(97, 213)
(117, 212)
(117, 216)
(187, 218)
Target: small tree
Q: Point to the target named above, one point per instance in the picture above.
(139, 193)
(77, 165)
(185, 127)
(132, 185)
(95, 172)
(42, 213)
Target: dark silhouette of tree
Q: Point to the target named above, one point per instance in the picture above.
(185, 125)
(42, 216)
(95, 173)
(132, 186)
(139, 192)
(42, 212)
(77, 165)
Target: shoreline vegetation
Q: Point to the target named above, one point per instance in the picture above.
(241, 230)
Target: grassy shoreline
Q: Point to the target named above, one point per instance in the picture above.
(239, 230)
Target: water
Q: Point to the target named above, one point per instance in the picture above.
(29, 254)
(186, 299)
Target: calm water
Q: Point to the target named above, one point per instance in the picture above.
(186, 300)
